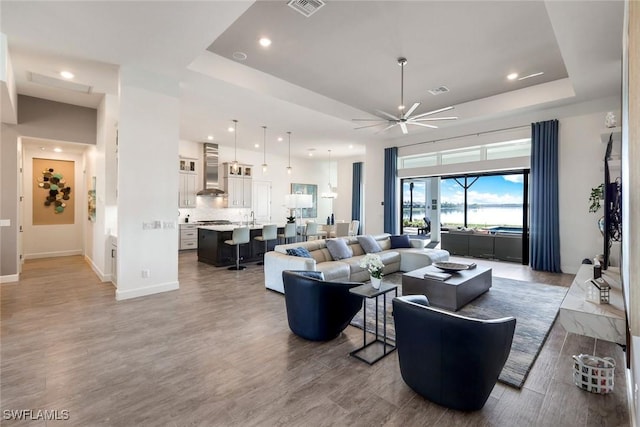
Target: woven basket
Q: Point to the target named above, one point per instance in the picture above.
(594, 374)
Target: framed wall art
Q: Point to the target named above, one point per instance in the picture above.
(311, 189)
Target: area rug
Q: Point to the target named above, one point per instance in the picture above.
(534, 305)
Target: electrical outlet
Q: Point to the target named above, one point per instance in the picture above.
(145, 273)
(147, 225)
(157, 224)
(171, 225)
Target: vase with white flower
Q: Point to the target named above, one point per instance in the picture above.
(373, 264)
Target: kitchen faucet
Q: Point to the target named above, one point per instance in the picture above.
(253, 218)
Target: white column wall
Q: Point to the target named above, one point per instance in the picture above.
(148, 137)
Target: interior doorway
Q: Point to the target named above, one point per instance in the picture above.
(53, 202)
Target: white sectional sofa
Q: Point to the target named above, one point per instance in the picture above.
(399, 259)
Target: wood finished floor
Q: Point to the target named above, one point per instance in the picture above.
(219, 352)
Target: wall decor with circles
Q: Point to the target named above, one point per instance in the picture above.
(52, 196)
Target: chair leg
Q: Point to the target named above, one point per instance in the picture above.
(237, 266)
(265, 252)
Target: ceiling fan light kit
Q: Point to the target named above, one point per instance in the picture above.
(406, 118)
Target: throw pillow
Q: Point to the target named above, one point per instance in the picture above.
(299, 251)
(401, 241)
(339, 249)
(369, 244)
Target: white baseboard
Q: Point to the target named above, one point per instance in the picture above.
(149, 290)
(102, 276)
(9, 278)
(53, 254)
(630, 399)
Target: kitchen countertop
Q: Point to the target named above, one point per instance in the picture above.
(230, 227)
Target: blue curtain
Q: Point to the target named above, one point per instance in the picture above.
(544, 244)
(356, 193)
(390, 190)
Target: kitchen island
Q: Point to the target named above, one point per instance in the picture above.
(213, 250)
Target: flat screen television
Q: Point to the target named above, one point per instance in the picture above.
(612, 206)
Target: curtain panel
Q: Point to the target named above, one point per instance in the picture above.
(544, 244)
(390, 190)
(356, 193)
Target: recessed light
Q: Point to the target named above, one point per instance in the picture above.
(67, 74)
(239, 56)
(210, 137)
(512, 76)
(230, 128)
(265, 42)
(311, 150)
(42, 148)
(256, 145)
(350, 145)
(279, 139)
(57, 150)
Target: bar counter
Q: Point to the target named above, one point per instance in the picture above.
(213, 250)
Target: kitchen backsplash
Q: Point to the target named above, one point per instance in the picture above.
(208, 208)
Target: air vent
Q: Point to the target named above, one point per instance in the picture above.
(306, 7)
(439, 90)
(58, 83)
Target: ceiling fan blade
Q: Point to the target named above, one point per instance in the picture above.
(403, 126)
(369, 120)
(392, 117)
(424, 125)
(432, 112)
(433, 119)
(387, 128)
(370, 126)
(411, 110)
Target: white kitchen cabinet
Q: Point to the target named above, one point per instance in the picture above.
(188, 236)
(187, 190)
(238, 192)
(238, 185)
(187, 165)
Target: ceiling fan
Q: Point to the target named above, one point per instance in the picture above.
(405, 118)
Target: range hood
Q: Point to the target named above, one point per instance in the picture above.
(211, 179)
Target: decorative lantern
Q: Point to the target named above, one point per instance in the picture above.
(597, 291)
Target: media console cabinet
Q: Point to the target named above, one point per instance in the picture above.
(602, 321)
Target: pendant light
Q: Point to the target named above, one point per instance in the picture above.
(289, 167)
(330, 193)
(234, 164)
(264, 145)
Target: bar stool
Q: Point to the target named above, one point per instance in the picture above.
(312, 231)
(269, 232)
(239, 237)
(289, 232)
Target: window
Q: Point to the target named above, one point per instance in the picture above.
(486, 201)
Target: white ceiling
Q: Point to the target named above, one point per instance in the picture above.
(322, 71)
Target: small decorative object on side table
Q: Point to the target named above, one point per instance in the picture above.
(378, 348)
(373, 264)
(597, 291)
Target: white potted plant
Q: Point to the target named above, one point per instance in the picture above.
(374, 266)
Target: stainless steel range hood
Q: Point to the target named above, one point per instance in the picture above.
(211, 179)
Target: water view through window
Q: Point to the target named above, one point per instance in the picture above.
(491, 201)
